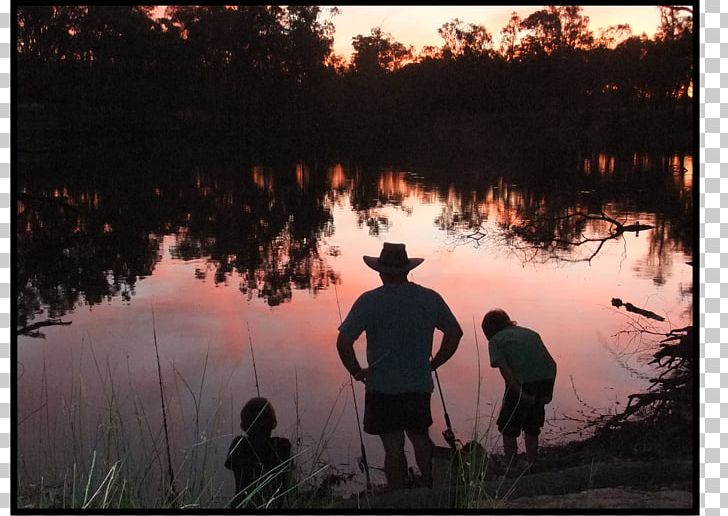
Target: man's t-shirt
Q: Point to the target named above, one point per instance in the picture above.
(399, 320)
(525, 353)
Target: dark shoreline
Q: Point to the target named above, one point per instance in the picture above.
(463, 139)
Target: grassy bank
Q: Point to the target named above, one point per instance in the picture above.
(118, 475)
(106, 448)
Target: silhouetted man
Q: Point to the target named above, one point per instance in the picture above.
(399, 319)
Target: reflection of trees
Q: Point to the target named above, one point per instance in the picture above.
(265, 226)
(374, 189)
(562, 209)
(562, 237)
(85, 249)
(568, 215)
(87, 240)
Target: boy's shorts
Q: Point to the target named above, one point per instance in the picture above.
(517, 414)
(386, 413)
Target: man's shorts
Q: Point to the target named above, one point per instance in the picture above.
(386, 413)
(517, 414)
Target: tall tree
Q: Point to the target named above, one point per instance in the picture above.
(48, 33)
(613, 35)
(670, 60)
(116, 35)
(575, 31)
(509, 37)
(309, 40)
(543, 32)
(557, 27)
(378, 53)
(675, 22)
(464, 39)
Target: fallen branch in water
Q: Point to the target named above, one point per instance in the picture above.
(30, 329)
(636, 310)
(557, 237)
(619, 226)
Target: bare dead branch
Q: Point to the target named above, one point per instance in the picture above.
(29, 330)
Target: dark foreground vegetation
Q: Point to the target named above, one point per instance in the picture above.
(267, 77)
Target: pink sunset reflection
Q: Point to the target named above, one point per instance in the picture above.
(205, 329)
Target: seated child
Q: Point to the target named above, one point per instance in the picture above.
(529, 372)
(256, 454)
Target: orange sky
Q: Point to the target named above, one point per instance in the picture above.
(417, 25)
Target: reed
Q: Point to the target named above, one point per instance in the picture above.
(170, 470)
(116, 457)
(100, 482)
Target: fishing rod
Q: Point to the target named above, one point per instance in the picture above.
(252, 354)
(447, 434)
(364, 460)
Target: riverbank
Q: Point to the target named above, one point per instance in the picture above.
(614, 469)
(599, 485)
(644, 464)
(434, 137)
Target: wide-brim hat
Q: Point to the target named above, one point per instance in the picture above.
(392, 260)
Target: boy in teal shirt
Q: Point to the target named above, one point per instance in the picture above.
(529, 372)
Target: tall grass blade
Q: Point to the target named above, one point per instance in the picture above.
(109, 476)
(170, 471)
(88, 481)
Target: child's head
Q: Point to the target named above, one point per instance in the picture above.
(258, 417)
(494, 321)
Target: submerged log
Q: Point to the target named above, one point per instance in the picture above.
(631, 308)
(637, 227)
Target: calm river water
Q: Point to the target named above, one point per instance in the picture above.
(222, 261)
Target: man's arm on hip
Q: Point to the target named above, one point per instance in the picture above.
(345, 347)
(450, 341)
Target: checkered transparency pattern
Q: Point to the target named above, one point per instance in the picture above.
(4, 257)
(712, 219)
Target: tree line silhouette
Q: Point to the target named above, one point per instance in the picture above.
(268, 74)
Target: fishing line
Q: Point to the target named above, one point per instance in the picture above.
(481, 380)
(252, 354)
(364, 460)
